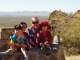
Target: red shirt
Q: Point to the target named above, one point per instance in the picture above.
(45, 36)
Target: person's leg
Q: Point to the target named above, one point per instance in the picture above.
(38, 54)
(24, 53)
(7, 51)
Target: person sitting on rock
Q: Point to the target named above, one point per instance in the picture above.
(45, 33)
(20, 38)
(45, 37)
(33, 32)
(21, 41)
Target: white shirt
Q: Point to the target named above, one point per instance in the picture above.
(56, 41)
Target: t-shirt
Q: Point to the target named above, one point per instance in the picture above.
(21, 40)
(33, 36)
(45, 36)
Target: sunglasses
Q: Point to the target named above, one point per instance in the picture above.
(34, 22)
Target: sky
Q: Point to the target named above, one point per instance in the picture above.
(39, 5)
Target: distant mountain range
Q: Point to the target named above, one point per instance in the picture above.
(25, 13)
(9, 19)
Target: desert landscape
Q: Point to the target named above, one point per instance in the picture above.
(63, 22)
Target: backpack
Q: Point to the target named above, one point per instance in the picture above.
(13, 38)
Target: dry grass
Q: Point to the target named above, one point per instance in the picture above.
(73, 57)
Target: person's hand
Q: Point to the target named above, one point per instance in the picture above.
(37, 34)
(46, 43)
(41, 44)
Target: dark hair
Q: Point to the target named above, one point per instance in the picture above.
(17, 27)
(23, 24)
(45, 23)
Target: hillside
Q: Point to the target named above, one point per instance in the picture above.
(69, 27)
(9, 19)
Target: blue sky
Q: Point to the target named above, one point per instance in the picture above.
(39, 5)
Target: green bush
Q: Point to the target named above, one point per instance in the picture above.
(69, 27)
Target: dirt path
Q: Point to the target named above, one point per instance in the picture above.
(73, 57)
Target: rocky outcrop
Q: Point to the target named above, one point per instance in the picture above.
(34, 55)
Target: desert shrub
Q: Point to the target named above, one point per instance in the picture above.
(69, 27)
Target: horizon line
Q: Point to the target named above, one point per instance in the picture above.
(44, 11)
